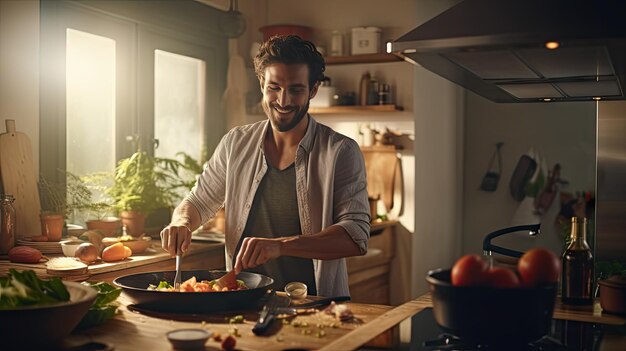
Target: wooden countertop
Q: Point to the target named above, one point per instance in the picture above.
(136, 331)
(132, 330)
(201, 255)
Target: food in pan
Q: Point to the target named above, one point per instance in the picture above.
(192, 285)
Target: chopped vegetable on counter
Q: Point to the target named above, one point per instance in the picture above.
(105, 306)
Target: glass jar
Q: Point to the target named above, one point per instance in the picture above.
(7, 223)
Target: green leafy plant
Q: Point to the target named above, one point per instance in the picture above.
(100, 204)
(145, 183)
(64, 198)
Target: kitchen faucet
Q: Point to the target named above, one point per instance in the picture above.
(489, 248)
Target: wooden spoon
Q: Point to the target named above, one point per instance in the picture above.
(228, 280)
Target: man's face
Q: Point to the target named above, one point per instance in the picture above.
(286, 94)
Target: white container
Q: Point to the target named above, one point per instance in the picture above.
(336, 44)
(365, 40)
(324, 96)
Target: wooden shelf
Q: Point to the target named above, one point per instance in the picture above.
(354, 109)
(365, 58)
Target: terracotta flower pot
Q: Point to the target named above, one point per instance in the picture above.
(52, 226)
(134, 222)
(109, 226)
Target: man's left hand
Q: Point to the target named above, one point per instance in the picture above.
(256, 251)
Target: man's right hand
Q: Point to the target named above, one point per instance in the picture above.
(175, 238)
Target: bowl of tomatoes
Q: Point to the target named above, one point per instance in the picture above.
(495, 305)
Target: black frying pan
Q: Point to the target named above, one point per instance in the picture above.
(491, 315)
(136, 287)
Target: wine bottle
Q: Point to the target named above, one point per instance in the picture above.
(577, 279)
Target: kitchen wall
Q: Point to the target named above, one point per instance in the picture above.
(19, 68)
(563, 133)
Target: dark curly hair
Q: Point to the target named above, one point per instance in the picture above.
(290, 49)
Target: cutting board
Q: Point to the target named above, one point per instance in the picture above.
(384, 177)
(17, 171)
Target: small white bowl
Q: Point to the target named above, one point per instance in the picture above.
(69, 247)
(296, 290)
(194, 339)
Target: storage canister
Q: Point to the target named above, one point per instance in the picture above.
(365, 40)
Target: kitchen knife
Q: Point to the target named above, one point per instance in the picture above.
(293, 310)
(321, 302)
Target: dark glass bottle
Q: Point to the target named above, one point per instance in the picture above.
(577, 280)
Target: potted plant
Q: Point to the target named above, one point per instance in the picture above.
(59, 202)
(101, 206)
(143, 184)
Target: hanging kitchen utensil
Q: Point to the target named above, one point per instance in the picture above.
(232, 23)
(524, 170)
(492, 176)
(546, 196)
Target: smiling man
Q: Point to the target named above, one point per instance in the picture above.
(294, 190)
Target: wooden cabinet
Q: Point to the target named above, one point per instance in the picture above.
(368, 275)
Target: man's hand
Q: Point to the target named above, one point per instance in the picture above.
(256, 251)
(175, 238)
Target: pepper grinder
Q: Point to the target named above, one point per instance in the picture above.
(364, 88)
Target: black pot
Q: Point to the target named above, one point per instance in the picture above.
(489, 315)
(136, 287)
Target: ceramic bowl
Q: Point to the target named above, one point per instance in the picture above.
(613, 294)
(49, 323)
(188, 339)
(296, 290)
(69, 247)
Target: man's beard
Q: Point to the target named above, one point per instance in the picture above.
(284, 126)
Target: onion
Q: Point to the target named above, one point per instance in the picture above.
(87, 252)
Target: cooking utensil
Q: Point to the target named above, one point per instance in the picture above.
(491, 315)
(268, 313)
(178, 275)
(19, 179)
(136, 287)
(228, 280)
(293, 309)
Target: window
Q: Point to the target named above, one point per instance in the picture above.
(179, 90)
(115, 70)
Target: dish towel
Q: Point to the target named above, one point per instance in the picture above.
(234, 97)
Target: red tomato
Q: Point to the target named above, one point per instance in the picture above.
(470, 270)
(499, 277)
(229, 343)
(539, 266)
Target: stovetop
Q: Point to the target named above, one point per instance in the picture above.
(564, 335)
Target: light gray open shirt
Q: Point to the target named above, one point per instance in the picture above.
(331, 189)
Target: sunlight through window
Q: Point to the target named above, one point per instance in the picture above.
(90, 79)
(179, 95)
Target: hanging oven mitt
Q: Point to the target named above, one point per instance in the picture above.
(492, 176)
(524, 170)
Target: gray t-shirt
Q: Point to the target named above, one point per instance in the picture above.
(274, 214)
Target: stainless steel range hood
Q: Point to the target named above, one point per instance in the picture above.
(498, 49)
